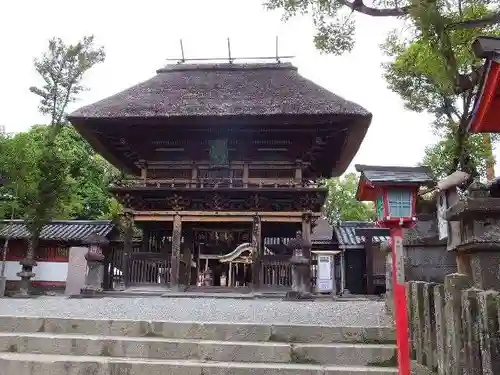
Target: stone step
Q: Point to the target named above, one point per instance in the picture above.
(37, 364)
(345, 354)
(290, 333)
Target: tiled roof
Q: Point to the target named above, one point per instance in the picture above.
(322, 232)
(346, 233)
(380, 174)
(58, 230)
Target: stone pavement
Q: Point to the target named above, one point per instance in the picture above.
(269, 311)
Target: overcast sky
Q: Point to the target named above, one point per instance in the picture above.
(139, 36)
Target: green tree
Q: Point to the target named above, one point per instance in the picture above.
(432, 67)
(88, 175)
(341, 203)
(62, 68)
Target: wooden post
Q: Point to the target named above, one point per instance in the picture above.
(369, 233)
(256, 245)
(306, 229)
(298, 173)
(127, 244)
(342, 272)
(245, 175)
(370, 287)
(176, 250)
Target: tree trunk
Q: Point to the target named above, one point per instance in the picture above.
(490, 160)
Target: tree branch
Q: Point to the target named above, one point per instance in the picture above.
(359, 6)
(476, 23)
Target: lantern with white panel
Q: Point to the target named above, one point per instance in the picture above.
(394, 191)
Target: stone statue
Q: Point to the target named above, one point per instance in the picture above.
(301, 267)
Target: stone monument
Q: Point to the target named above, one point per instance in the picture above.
(301, 268)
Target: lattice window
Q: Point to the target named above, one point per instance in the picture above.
(219, 151)
(400, 203)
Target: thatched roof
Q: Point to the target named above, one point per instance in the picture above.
(187, 90)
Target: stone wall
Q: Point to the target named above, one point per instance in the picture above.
(426, 256)
(454, 327)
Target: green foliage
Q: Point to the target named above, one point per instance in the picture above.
(431, 63)
(341, 203)
(62, 68)
(431, 70)
(86, 175)
(439, 156)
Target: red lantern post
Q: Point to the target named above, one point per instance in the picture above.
(394, 191)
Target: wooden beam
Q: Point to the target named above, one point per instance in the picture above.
(222, 219)
(138, 214)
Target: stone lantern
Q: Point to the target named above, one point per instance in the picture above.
(477, 240)
(95, 258)
(301, 267)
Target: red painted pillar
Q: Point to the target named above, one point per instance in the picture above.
(400, 302)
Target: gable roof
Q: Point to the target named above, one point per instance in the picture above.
(256, 89)
(345, 233)
(58, 230)
(388, 174)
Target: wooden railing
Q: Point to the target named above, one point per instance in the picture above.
(214, 183)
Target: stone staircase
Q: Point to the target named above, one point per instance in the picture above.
(54, 346)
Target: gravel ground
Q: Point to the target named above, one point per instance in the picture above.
(352, 313)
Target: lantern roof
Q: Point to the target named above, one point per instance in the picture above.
(485, 116)
(96, 239)
(373, 176)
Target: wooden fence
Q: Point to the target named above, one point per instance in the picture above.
(454, 328)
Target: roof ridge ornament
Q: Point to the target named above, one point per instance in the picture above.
(230, 57)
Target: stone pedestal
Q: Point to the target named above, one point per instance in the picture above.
(478, 248)
(301, 286)
(93, 280)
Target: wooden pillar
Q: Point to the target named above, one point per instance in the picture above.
(127, 244)
(256, 245)
(306, 229)
(342, 272)
(370, 287)
(188, 255)
(298, 173)
(334, 279)
(245, 175)
(306, 236)
(176, 251)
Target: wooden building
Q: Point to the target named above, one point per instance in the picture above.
(221, 155)
(52, 254)
(359, 276)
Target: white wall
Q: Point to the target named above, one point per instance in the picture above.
(44, 271)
